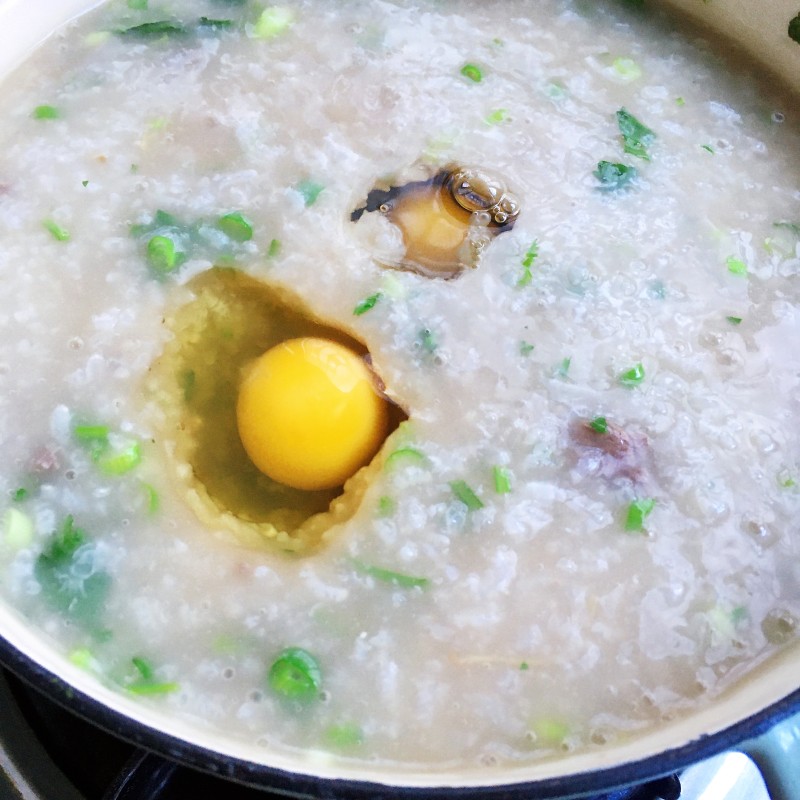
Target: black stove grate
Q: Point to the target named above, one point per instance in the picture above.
(48, 753)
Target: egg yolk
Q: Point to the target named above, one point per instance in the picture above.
(309, 415)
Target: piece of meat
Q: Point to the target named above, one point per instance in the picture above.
(615, 452)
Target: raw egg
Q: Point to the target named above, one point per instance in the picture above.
(309, 414)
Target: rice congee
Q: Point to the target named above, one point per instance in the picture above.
(576, 516)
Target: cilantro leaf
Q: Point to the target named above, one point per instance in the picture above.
(613, 175)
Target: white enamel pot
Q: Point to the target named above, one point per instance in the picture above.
(760, 716)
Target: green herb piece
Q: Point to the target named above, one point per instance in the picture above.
(367, 304)
(599, 425)
(236, 226)
(794, 29)
(153, 30)
(633, 376)
(390, 576)
(498, 116)
(82, 657)
(786, 479)
(404, 454)
(153, 499)
(16, 530)
(20, 494)
(525, 348)
(92, 437)
(46, 112)
(531, 254)
(218, 24)
(274, 248)
(273, 21)
(627, 69)
(614, 176)
(563, 367)
(736, 266)
(734, 320)
(473, 72)
(427, 340)
(638, 511)
(137, 5)
(147, 684)
(295, 674)
(162, 256)
(556, 90)
(344, 736)
(502, 480)
(636, 137)
(550, 731)
(708, 148)
(466, 495)
(386, 506)
(70, 577)
(120, 461)
(794, 227)
(84, 184)
(56, 231)
(524, 666)
(310, 191)
(680, 102)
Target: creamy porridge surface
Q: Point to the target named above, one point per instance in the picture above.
(588, 523)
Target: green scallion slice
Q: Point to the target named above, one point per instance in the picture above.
(162, 255)
(466, 495)
(636, 137)
(473, 72)
(367, 304)
(404, 455)
(236, 226)
(502, 479)
(498, 116)
(614, 175)
(46, 112)
(599, 425)
(734, 320)
(310, 191)
(390, 576)
(273, 21)
(638, 511)
(633, 376)
(295, 674)
(736, 266)
(56, 231)
(274, 248)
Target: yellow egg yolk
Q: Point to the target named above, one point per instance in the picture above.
(309, 414)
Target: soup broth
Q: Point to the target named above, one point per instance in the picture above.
(587, 523)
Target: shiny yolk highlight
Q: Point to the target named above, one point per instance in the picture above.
(309, 415)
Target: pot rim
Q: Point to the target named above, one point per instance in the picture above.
(308, 784)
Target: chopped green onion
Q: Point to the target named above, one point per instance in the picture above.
(497, 116)
(162, 255)
(274, 248)
(736, 266)
(235, 226)
(502, 480)
(146, 684)
(794, 29)
(84, 184)
(794, 227)
(786, 480)
(524, 666)
(525, 348)
(273, 21)
(137, 5)
(153, 30)
(638, 511)
(549, 730)
(636, 137)
(473, 72)
(427, 340)
(82, 657)
(633, 376)
(206, 22)
(367, 304)
(599, 425)
(144, 668)
(310, 191)
(295, 674)
(46, 112)
(20, 494)
(531, 254)
(627, 69)
(87, 434)
(386, 506)
(390, 576)
(466, 495)
(563, 368)
(613, 175)
(344, 736)
(56, 231)
(680, 102)
(122, 461)
(708, 148)
(407, 454)
(153, 500)
(734, 320)
(16, 529)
